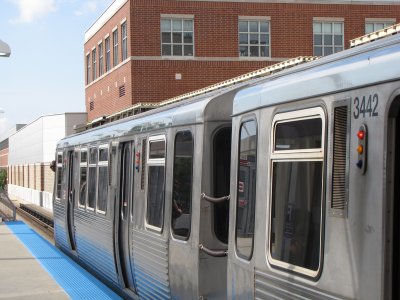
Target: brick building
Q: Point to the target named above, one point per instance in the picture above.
(4, 145)
(141, 51)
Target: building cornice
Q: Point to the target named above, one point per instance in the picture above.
(354, 2)
(104, 18)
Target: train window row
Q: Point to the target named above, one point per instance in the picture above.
(94, 180)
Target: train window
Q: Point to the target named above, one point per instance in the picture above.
(93, 155)
(182, 185)
(83, 178)
(157, 149)
(59, 174)
(299, 134)
(155, 183)
(102, 192)
(246, 189)
(297, 185)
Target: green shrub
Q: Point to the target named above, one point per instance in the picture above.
(3, 179)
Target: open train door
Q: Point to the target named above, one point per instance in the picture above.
(214, 218)
(392, 257)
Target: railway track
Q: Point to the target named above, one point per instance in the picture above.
(37, 219)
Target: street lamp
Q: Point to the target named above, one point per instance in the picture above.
(4, 49)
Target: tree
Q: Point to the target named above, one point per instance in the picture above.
(3, 179)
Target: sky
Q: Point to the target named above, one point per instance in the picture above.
(45, 72)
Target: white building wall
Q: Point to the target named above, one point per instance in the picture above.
(26, 145)
(53, 131)
(36, 143)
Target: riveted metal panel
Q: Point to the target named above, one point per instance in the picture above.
(271, 287)
(150, 252)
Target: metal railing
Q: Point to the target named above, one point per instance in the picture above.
(7, 208)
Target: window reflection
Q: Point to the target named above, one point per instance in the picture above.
(245, 207)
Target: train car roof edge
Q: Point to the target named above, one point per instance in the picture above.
(360, 66)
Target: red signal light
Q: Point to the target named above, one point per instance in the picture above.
(361, 134)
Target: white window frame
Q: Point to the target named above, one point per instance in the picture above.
(316, 154)
(154, 162)
(332, 22)
(124, 38)
(94, 62)
(259, 33)
(102, 164)
(59, 165)
(107, 47)
(115, 47)
(181, 18)
(101, 58)
(88, 177)
(386, 22)
(81, 165)
(88, 68)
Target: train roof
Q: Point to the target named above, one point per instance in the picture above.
(364, 65)
(215, 105)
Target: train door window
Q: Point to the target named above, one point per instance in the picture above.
(246, 189)
(83, 178)
(155, 183)
(297, 162)
(93, 158)
(59, 174)
(102, 192)
(222, 163)
(182, 185)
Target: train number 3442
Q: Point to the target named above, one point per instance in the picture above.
(366, 106)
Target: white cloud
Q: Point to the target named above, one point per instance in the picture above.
(88, 7)
(30, 10)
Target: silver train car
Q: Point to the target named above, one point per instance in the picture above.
(284, 187)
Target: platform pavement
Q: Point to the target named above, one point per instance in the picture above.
(32, 268)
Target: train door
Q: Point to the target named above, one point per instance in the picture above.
(214, 219)
(183, 245)
(124, 216)
(71, 201)
(392, 287)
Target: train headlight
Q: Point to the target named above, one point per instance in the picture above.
(362, 149)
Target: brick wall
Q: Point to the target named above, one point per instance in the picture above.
(48, 178)
(150, 78)
(34, 176)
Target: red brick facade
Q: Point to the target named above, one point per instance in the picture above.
(149, 77)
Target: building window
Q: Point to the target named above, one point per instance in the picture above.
(328, 38)
(371, 26)
(88, 68)
(254, 38)
(101, 64)
(155, 183)
(83, 178)
(124, 37)
(182, 185)
(115, 47)
(94, 60)
(108, 54)
(177, 37)
(246, 192)
(297, 163)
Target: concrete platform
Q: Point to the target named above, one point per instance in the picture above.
(32, 268)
